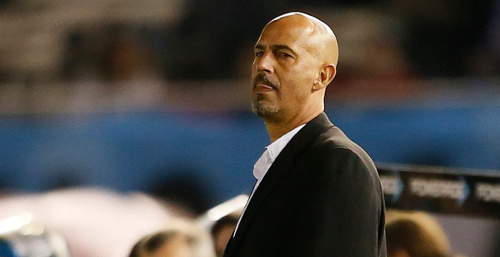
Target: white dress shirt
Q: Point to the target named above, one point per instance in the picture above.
(266, 160)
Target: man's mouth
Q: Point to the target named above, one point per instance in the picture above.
(262, 83)
(263, 86)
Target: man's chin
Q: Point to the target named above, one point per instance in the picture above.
(264, 111)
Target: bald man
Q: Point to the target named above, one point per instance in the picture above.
(317, 193)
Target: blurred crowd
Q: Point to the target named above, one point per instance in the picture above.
(94, 222)
(214, 39)
(97, 222)
(385, 44)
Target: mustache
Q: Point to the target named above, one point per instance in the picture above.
(261, 78)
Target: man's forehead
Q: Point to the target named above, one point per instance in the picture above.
(282, 34)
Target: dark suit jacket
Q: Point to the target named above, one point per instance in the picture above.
(321, 197)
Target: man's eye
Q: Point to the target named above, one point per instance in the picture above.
(258, 54)
(285, 55)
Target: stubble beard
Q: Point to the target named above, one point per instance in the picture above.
(262, 109)
(260, 106)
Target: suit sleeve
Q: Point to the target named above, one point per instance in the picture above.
(339, 206)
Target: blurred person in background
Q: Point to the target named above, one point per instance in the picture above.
(92, 219)
(180, 238)
(317, 192)
(222, 231)
(415, 234)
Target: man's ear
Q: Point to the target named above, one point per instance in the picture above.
(328, 73)
(325, 77)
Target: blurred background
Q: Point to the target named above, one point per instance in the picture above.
(153, 96)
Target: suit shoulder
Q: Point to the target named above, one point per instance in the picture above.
(334, 156)
(334, 143)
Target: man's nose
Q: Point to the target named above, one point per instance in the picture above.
(264, 63)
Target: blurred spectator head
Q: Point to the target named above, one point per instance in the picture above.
(222, 231)
(180, 238)
(415, 234)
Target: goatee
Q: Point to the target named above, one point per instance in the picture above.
(262, 109)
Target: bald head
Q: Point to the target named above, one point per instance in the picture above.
(323, 41)
(295, 60)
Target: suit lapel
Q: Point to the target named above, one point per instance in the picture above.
(277, 172)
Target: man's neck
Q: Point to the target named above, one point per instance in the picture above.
(278, 129)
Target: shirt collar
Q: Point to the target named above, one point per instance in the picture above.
(272, 152)
(277, 146)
